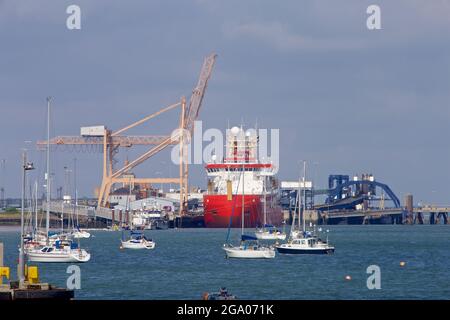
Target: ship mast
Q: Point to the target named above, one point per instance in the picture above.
(243, 193)
(47, 223)
(304, 196)
(265, 204)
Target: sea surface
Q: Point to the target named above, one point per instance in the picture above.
(188, 262)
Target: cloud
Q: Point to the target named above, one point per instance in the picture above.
(279, 37)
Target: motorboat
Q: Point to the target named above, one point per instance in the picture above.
(308, 244)
(223, 294)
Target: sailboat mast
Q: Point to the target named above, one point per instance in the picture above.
(75, 188)
(265, 201)
(35, 207)
(300, 203)
(243, 193)
(47, 223)
(304, 195)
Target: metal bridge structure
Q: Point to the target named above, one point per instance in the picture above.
(357, 200)
(334, 195)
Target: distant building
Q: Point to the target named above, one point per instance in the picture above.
(123, 197)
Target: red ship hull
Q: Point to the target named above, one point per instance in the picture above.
(219, 212)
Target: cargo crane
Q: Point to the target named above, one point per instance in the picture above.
(110, 141)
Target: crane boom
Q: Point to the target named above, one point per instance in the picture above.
(110, 141)
(120, 141)
(198, 93)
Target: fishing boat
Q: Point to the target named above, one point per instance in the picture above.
(137, 240)
(249, 247)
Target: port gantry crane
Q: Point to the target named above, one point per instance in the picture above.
(111, 141)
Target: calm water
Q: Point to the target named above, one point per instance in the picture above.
(188, 262)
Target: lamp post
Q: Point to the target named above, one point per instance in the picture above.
(26, 166)
(158, 173)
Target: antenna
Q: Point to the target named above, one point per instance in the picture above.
(2, 187)
(47, 175)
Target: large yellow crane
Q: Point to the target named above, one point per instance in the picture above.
(110, 142)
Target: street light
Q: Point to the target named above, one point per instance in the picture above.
(158, 173)
(26, 166)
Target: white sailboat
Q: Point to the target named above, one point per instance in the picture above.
(77, 233)
(268, 232)
(63, 249)
(59, 252)
(249, 247)
(80, 234)
(137, 240)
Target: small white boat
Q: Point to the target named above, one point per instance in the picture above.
(81, 234)
(138, 241)
(249, 250)
(58, 253)
(269, 233)
(308, 244)
(304, 246)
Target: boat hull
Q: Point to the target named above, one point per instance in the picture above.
(239, 252)
(137, 246)
(270, 235)
(63, 257)
(81, 235)
(293, 250)
(219, 212)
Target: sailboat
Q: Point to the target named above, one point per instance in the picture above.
(77, 233)
(249, 247)
(137, 240)
(63, 249)
(268, 232)
(302, 241)
(80, 234)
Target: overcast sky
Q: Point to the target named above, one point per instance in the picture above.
(349, 99)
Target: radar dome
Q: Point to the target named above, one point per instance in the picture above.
(235, 131)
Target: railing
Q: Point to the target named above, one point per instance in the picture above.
(86, 211)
